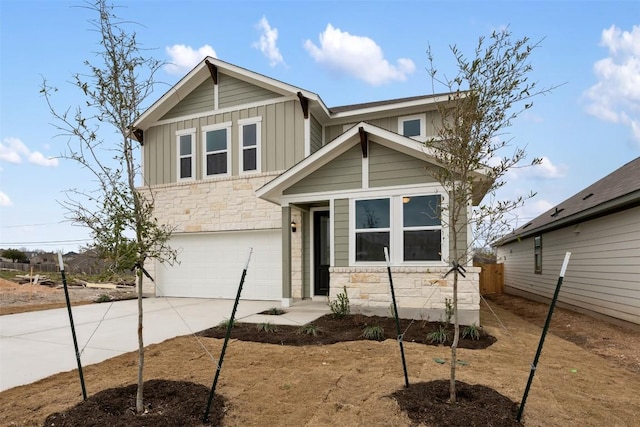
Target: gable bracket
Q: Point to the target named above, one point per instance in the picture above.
(213, 70)
(364, 141)
(139, 135)
(304, 103)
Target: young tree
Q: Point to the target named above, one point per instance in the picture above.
(488, 92)
(118, 214)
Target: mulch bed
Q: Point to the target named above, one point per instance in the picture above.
(331, 329)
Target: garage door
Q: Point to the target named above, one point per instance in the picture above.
(211, 266)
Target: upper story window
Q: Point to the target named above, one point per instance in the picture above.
(185, 142)
(413, 127)
(410, 226)
(537, 254)
(250, 131)
(217, 154)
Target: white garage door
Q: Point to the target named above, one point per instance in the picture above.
(211, 266)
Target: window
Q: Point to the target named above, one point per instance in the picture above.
(373, 230)
(537, 254)
(410, 226)
(186, 154)
(421, 228)
(413, 127)
(217, 156)
(250, 133)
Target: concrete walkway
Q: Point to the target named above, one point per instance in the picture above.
(38, 344)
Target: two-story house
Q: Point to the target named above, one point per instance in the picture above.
(238, 160)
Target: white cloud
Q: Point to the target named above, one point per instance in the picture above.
(357, 56)
(267, 43)
(547, 170)
(37, 158)
(13, 150)
(5, 200)
(616, 96)
(183, 58)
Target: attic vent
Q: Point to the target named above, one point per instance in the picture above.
(587, 196)
(526, 225)
(556, 212)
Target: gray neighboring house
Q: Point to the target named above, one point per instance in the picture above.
(600, 226)
(236, 160)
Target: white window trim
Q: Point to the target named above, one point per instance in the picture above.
(210, 128)
(423, 126)
(179, 133)
(249, 121)
(396, 231)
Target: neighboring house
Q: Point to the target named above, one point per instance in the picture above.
(238, 160)
(600, 226)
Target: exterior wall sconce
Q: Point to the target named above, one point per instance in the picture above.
(294, 226)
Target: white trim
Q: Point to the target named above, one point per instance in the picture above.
(395, 230)
(470, 236)
(423, 126)
(307, 137)
(216, 96)
(365, 171)
(332, 236)
(210, 128)
(312, 255)
(247, 122)
(178, 134)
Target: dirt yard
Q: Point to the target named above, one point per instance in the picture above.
(591, 377)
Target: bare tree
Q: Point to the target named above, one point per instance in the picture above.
(488, 92)
(118, 214)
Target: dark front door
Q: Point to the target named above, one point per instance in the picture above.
(321, 252)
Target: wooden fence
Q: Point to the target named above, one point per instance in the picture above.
(38, 268)
(491, 278)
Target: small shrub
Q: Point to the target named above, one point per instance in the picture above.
(373, 332)
(225, 323)
(275, 311)
(267, 327)
(310, 329)
(440, 335)
(103, 298)
(340, 306)
(471, 331)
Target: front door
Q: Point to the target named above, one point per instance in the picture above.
(321, 252)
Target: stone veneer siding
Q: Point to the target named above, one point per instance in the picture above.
(420, 291)
(226, 204)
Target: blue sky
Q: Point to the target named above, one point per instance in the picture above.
(347, 52)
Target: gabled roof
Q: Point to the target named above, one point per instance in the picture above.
(615, 192)
(272, 191)
(201, 73)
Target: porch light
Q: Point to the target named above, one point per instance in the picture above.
(406, 199)
(294, 226)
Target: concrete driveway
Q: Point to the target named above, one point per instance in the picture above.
(38, 344)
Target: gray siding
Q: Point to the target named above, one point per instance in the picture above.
(316, 135)
(603, 275)
(232, 92)
(341, 232)
(343, 173)
(282, 141)
(388, 167)
(388, 123)
(198, 101)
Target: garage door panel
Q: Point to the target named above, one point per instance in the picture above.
(211, 266)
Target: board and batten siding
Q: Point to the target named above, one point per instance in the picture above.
(388, 123)
(343, 173)
(199, 100)
(388, 167)
(282, 141)
(316, 134)
(603, 275)
(341, 232)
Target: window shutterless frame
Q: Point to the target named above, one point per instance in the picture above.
(413, 126)
(249, 136)
(186, 154)
(216, 149)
